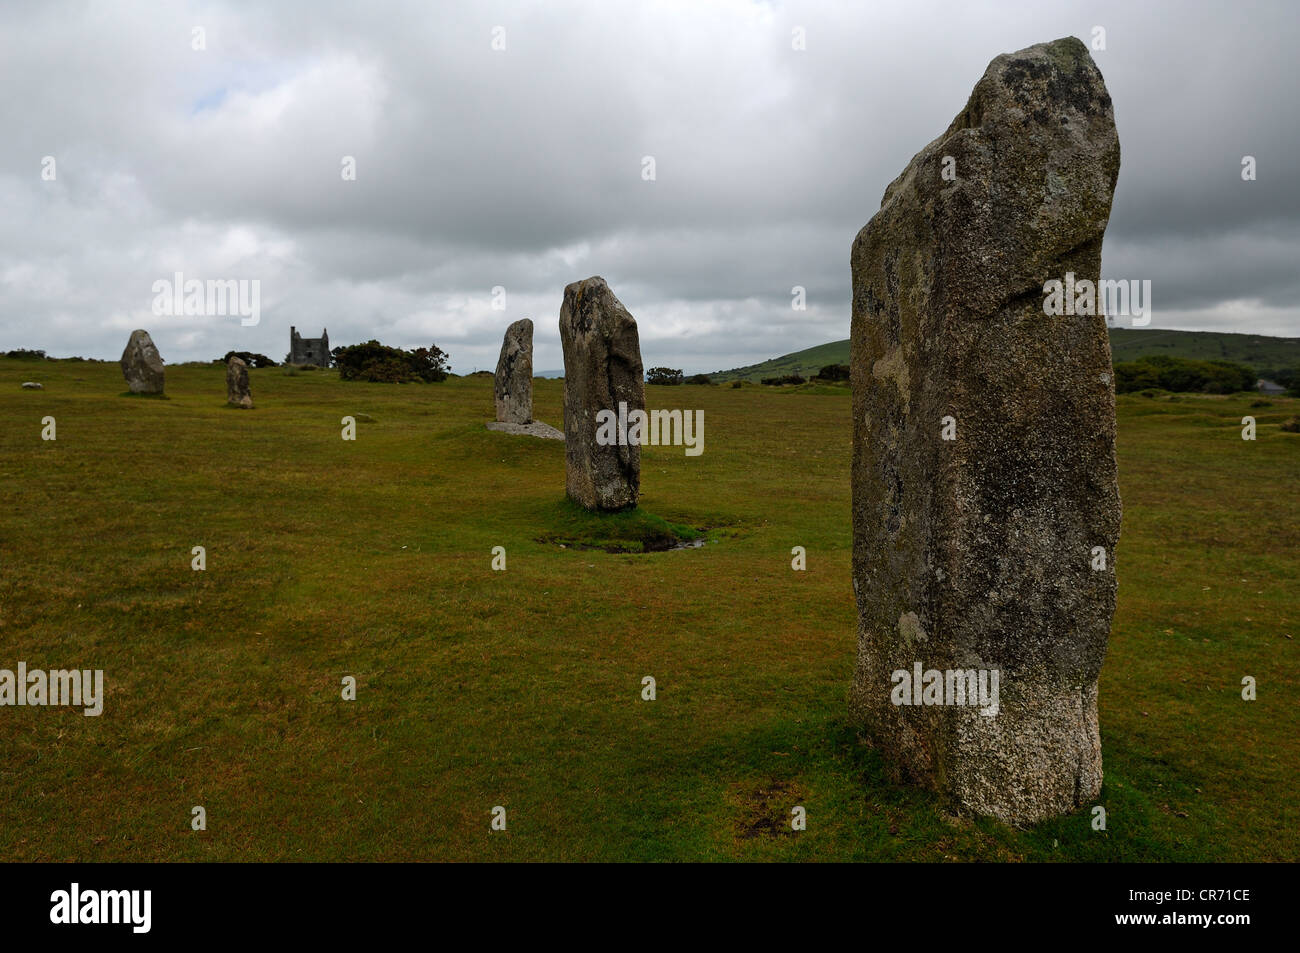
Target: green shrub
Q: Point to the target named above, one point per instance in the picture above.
(663, 375)
(1183, 375)
(379, 363)
(249, 358)
(833, 372)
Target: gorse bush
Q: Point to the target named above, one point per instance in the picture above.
(834, 372)
(249, 358)
(379, 363)
(1183, 375)
(787, 379)
(663, 375)
(22, 354)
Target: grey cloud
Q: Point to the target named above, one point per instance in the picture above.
(522, 168)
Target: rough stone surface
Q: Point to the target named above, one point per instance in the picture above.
(32, 385)
(975, 553)
(513, 383)
(532, 429)
(237, 390)
(142, 365)
(602, 367)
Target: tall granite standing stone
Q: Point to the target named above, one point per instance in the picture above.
(238, 393)
(984, 445)
(513, 384)
(142, 365)
(602, 371)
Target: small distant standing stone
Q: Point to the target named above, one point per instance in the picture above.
(237, 390)
(32, 385)
(513, 384)
(142, 365)
(602, 369)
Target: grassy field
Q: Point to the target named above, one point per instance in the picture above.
(522, 688)
(1265, 354)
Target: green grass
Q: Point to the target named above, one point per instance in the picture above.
(1260, 351)
(522, 688)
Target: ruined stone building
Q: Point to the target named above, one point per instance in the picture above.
(308, 350)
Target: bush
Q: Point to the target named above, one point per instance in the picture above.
(663, 375)
(1288, 377)
(1261, 403)
(778, 381)
(22, 354)
(249, 358)
(1292, 425)
(699, 379)
(1183, 375)
(735, 385)
(834, 372)
(379, 363)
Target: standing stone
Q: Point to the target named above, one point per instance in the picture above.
(142, 365)
(513, 385)
(238, 393)
(602, 371)
(977, 552)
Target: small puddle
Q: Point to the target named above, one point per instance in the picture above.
(654, 545)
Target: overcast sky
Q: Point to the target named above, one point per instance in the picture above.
(522, 167)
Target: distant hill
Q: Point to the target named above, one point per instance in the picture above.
(806, 362)
(1259, 351)
(1265, 354)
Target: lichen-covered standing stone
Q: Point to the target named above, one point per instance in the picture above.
(238, 393)
(978, 552)
(142, 365)
(602, 369)
(513, 384)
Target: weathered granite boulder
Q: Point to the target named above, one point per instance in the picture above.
(984, 445)
(32, 385)
(142, 365)
(513, 383)
(602, 370)
(238, 393)
(532, 429)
